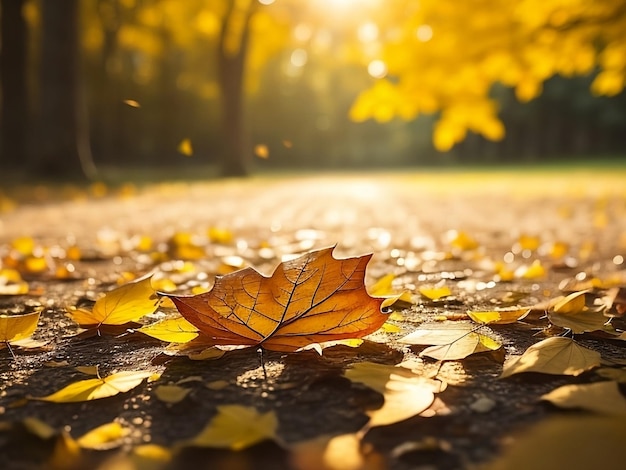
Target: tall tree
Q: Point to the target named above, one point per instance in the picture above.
(14, 111)
(231, 52)
(63, 149)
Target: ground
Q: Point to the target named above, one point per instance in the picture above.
(478, 232)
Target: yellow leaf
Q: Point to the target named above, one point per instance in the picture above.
(185, 147)
(574, 442)
(107, 436)
(88, 370)
(573, 303)
(172, 330)
(534, 271)
(17, 327)
(499, 317)
(39, 428)
(125, 304)
(383, 286)
(599, 397)
(556, 355)
(171, 393)
(132, 103)
(93, 389)
(406, 394)
(435, 293)
(236, 427)
(472, 343)
(462, 240)
(261, 151)
(66, 454)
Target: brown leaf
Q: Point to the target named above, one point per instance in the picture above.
(311, 299)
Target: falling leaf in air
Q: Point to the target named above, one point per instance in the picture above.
(132, 103)
(185, 147)
(262, 151)
(310, 299)
(499, 317)
(599, 397)
(236, 427)
(118, 309)
(93, 389)
(556, 355)
(406, 394)
(171, 330)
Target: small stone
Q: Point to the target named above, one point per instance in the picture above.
(483, 405)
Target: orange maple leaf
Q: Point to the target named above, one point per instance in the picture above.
(311, 299)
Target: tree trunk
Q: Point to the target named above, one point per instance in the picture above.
(14, 111)
(64, 144)
(231, 61)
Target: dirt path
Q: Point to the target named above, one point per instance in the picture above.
(420, 227)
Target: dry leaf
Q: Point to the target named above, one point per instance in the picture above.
(556, 355)
(499, 317)
(450, 343)
(171, 393)
(311, 299)
(118, 307)
(406, 394)
(172, 330)
(17, 327)
(236, 427)
(471, 343)
(39, 428)
(343, 452)
(93, 389)
(570, 312)
(599, 397)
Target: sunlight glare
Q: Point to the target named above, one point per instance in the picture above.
(377, 69)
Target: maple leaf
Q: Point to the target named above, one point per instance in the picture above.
(311, 299)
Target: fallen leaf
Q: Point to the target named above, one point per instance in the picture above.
(471, 343)
(599, 397)
(498, 317)
(66, 454)
(93, 389)
(435, 292)
(574, 442)
(87, 370)
(618, 375)
(310, 299)
(406, 394)
(39, 428)
(132, 103)
(199, 348)
(11, 282)
(571, 312)
(107, 436)
(171, 393)
(120, 306)
(236, 427)
(172, 330)
(17, 327)
(556, 355)
(343, 452)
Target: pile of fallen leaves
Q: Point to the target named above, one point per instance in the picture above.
(401, 327)
(316, 301)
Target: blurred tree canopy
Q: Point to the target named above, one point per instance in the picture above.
(100, 83)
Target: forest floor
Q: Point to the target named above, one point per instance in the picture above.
(496, 239)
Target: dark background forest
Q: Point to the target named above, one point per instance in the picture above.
(96, 84)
